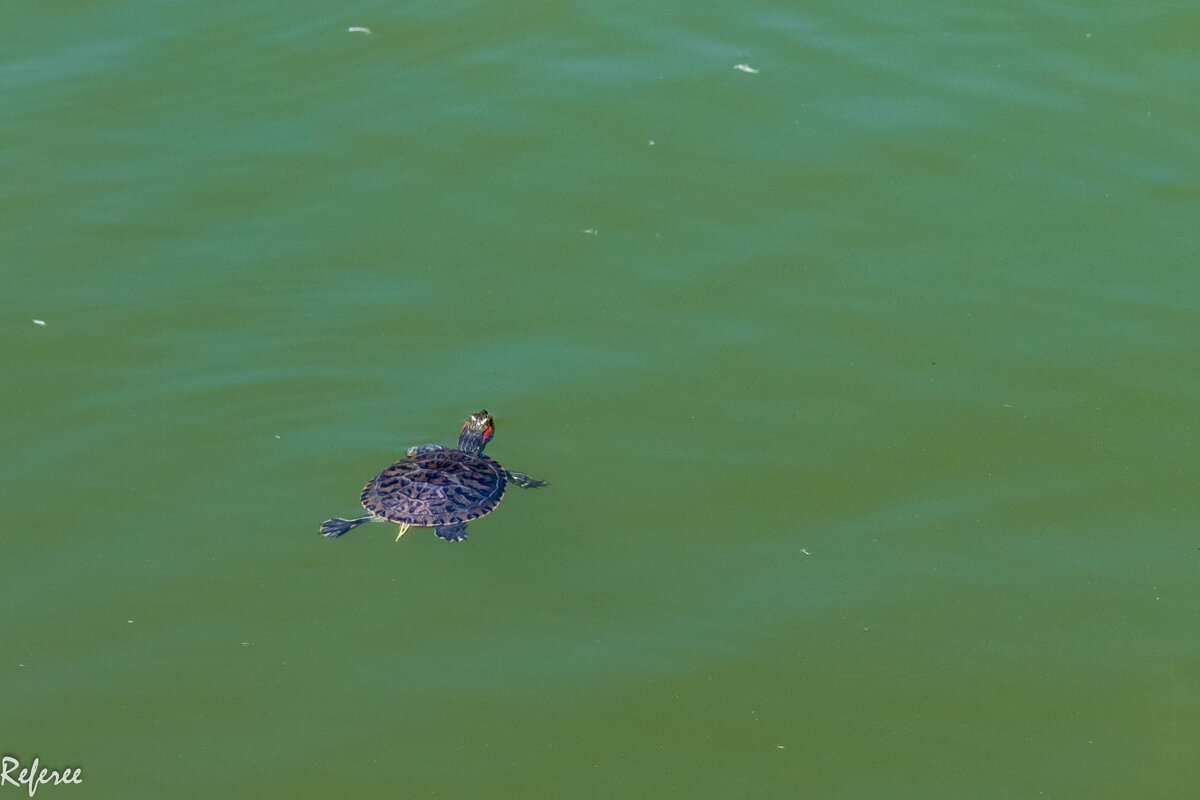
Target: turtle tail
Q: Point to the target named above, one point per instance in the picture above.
(333, 528)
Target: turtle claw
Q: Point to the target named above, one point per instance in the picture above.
(333, 528)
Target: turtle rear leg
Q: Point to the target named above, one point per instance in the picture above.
(452, 533)
(524, 481)
(333, 528)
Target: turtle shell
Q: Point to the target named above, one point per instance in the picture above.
(440, 488)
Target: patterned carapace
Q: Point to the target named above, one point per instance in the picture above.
(436, 488)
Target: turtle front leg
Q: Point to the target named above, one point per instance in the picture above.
(404, 526)
(524, 481)
(423, 448)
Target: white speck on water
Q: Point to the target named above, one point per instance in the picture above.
(592, 231)
(805, 551)
(39, 322)
(358, 29)
(652, 143)
(746, 68)
(781, 747)
(129, 621)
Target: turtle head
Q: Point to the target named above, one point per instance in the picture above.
(476, 432)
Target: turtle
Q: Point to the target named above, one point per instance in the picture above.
(432, 487)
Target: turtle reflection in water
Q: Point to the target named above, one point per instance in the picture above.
(432, 487)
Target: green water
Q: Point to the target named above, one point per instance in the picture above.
(866, 385)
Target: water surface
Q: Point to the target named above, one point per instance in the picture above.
(865, 385)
